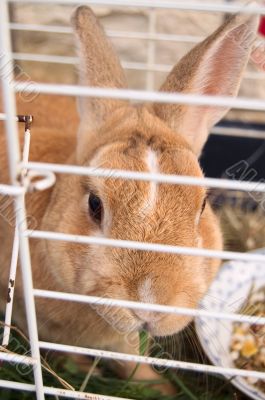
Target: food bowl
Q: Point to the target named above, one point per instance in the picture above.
(228, 293)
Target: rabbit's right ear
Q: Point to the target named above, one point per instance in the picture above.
(214, 67)
(99, 67)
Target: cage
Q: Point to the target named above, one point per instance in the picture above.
(37, 58)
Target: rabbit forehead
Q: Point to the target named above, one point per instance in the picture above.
(137, 201)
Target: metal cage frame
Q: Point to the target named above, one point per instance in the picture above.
(17, 190)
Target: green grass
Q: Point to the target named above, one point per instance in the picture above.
(189, 385)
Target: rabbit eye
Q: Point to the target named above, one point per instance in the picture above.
(203, 205)
(95, 207)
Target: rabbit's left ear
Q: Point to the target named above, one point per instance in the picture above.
(213, 67)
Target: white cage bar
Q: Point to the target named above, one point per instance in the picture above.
(17, 165)
(139, 95)
(20, 211)
(138, 66)
(171, 5)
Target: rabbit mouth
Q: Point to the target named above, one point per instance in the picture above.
(166, 326)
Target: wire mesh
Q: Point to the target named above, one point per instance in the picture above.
(18, 165)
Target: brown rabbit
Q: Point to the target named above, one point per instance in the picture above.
(114, 134)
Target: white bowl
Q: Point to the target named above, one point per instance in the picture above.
(227, 294)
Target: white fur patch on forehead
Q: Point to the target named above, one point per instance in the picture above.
(152, 166)
(145, 291)
(151, 160)
(197, 218)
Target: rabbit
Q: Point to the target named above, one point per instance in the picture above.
(112, 133)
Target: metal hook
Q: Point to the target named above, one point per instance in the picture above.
(47, 179)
